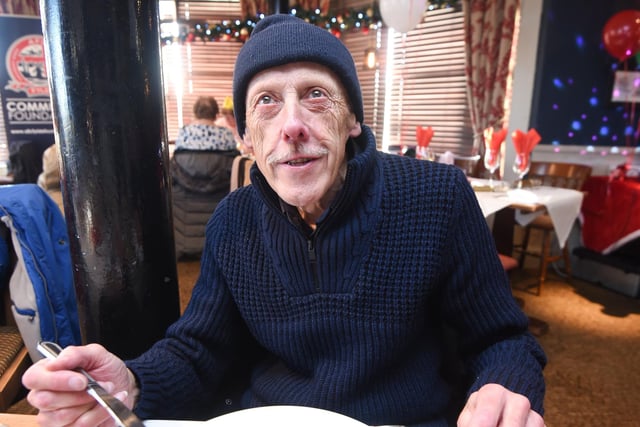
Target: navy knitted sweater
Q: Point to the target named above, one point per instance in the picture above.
(350, 317)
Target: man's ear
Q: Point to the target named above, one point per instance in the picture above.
(246, 139)
(355, 130)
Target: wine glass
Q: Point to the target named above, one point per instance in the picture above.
(491, 163)
(521, 166)
(425, 153)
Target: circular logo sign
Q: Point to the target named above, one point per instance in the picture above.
(26, 66)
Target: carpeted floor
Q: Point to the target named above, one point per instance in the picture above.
(593, 348)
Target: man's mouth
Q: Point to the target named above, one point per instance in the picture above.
(298, 162)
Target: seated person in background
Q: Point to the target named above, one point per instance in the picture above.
(330, 280)
(49, 178)
(203, 133)
(200, 173)
(25, 160)
(227, 119)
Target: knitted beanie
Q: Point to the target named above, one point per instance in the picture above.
(282, 39)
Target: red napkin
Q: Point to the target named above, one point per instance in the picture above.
(424, 135)
(493, 140)
(525, 142)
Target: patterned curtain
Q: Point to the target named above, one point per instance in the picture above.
(19, 7)
(489, 31)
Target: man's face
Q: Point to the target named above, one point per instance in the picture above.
(298, 123)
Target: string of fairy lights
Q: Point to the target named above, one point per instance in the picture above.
(337, 22)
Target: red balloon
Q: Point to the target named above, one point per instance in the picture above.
(621, 34)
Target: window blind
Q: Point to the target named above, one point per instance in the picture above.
(215, 11)
(192, 70)
(427, 84)
(198, 68)
(371, 80)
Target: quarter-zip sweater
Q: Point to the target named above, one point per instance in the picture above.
(350, 317)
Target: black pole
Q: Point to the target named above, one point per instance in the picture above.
(104, 69)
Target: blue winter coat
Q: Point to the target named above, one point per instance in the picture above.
(41, 285)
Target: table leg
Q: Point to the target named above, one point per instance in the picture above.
(503, 225)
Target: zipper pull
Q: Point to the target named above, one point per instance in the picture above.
(311, 250)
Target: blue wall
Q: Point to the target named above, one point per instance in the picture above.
(574, 77)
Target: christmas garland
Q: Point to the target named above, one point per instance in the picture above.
(351, 20)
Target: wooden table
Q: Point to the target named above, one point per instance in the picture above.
(17, 420)
(504, 219)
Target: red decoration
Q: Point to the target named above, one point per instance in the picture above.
(619, 173)
(424, 135)
(524, 143)
(493, 140)
(621, 34)
(423, 138)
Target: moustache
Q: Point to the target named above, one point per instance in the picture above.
(304, 151)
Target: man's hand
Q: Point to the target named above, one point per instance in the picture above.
(495, 406)
(59, 392)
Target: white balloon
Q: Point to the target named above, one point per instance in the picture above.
(402, 15)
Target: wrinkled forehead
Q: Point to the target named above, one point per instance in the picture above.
(307, 74)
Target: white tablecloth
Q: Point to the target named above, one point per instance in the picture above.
(562, 205)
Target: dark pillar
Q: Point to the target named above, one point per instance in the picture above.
(103, 60)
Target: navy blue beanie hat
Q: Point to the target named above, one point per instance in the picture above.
(282, 39)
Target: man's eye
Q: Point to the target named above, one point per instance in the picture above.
(316, 93)
(265, 99)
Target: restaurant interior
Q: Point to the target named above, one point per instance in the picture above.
(534, 99)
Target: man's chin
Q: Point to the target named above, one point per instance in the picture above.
(303, 196)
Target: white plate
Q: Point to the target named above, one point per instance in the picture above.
(269, 416)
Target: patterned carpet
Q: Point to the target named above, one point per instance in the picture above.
(593, 347)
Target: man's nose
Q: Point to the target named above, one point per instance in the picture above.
(295, 128)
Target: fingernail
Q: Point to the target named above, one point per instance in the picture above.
(122, 395)
(76, 383)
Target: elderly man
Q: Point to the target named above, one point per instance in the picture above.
(328, 282)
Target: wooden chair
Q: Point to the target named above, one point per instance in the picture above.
(509, 263)
(565, 175)
(537, 327)
(240, 169)
(14, 361)
(14, 356)
(469, 164)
